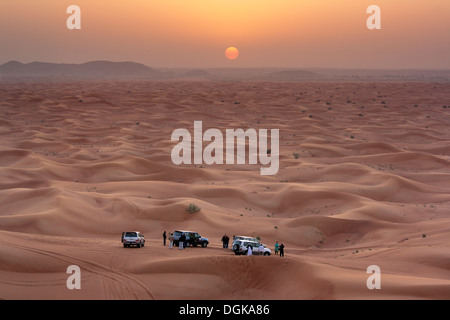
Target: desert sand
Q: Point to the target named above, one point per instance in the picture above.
(364, 180)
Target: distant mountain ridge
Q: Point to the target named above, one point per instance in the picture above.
(92, 69)
(99, 70)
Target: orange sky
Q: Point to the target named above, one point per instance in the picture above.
(195, 33)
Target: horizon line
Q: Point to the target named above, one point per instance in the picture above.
(240, 67)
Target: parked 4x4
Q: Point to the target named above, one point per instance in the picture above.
(237, 238)
(241, 247)
(192, 238)
(133, 238)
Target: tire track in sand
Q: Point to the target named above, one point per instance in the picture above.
(116, 285)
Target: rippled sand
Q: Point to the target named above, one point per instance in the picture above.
(364, 180)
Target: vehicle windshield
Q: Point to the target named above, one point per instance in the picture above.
(245, 238)
(130, 234)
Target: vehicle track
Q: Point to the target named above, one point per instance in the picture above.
(116, 285)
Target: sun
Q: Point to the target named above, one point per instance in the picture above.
(232, 53)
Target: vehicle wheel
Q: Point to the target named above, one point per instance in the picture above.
(266, 254)
(204, 244)
(124, 245)
(138, 245)
(236, 248)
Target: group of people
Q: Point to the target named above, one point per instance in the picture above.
(279, 248)
(225, 240)
(250, 250)
(181, 241)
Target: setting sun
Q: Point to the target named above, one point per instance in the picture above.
(232, 53)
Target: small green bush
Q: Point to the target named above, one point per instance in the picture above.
(193, 208)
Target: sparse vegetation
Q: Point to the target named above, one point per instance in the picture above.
(193, 208)
(296, 155)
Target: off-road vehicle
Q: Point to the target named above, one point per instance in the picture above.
(133, 238)
(241, 247)
(192, 238)
(237, 238)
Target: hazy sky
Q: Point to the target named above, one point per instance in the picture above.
(195, 33)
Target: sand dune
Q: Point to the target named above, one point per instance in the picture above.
(363, 180)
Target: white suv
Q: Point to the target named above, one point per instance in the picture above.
(241, 247)
(238, 238)
(133, 238)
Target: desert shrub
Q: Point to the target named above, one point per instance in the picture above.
(193, 208)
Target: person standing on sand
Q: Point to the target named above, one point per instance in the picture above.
(276, 248)
(261, 249)
(181, 241)
(171, 241)
(225, 240)
(282, 250)
(249, 251)
(164, 238)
